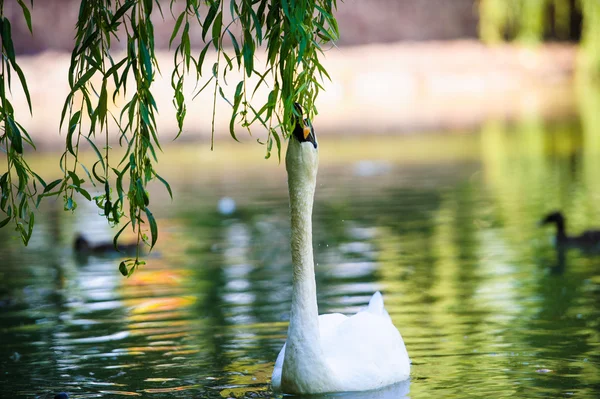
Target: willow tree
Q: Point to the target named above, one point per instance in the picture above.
(290, 34)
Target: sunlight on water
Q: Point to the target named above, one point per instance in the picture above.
(485, 305)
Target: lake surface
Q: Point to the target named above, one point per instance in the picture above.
(444, 225)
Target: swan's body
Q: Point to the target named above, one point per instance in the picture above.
(333, 352)
(364, 351)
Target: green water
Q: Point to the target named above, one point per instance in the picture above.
(445, 226)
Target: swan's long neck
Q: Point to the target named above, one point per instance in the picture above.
(303, 355)
(303, 324)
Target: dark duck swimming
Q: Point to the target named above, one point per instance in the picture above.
(589, 240)
(82, 246)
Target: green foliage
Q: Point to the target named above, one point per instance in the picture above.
(291, 34)
(19, 185)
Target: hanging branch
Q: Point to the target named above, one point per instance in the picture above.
(289, 33)
(19, 184)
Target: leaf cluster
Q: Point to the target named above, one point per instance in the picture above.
(19, 185)
(288, 34)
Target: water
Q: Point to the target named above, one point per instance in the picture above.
(444, 225)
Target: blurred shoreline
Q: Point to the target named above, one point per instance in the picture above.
(376, 89)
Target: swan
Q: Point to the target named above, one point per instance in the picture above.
(330, 352)
(588, 240)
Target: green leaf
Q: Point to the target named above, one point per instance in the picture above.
(83, 80)
(113, 70)
(324, 33)
(84, 193)
(25, 135)
(147, 61)
(141, 194)
(116, 238)
(102, 104)
(212, 12)
(237, 99)
(223, 96)
(176, 28)
(201, 58)
(96, 175)
(123, 269)
(31, 223)
(74, 178)
(73, 123)
(286, 8)
(87, 172)
(278, 142)
(236, 48)
(166, 184)
(51, 185)
(39, 178)
(248, 53)
(153, 227)
(7, 40)
(4, 222)
(15, 135)
(257, 26)
(121, 11)
(26, 14)
(66, 106)
(216, 30)
(97, 151)
(23, 85)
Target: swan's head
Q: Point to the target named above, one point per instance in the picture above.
(302, 157)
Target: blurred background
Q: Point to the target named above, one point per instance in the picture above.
(448, 131)
(400, 66)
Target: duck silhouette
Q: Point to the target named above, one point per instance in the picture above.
(82, 246)
(588, 240)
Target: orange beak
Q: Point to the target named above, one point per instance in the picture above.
(306, 131)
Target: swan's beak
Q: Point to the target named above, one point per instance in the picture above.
(306, 132)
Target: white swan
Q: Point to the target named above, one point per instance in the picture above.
(331, 352)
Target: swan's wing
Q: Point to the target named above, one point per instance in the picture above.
(367, 349)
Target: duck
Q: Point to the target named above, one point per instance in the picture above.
(83, 246)
(589, 240)
(331, 352)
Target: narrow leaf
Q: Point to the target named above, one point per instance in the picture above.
(176, 28)
(216, 30)
(26, 14)
(116, 238)
(153, 227)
